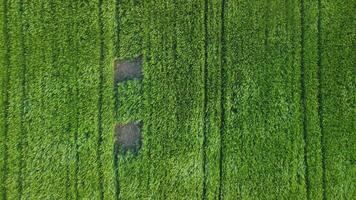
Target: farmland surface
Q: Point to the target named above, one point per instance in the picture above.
(240, 99)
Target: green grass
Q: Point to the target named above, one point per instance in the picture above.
(3, 98)
(262, 138)
(239, 100)
(311, 102)
(337, 74)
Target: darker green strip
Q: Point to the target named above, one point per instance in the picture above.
(117, 55)
(147, 85)
(320, 100)
(75, 93)
(23, 101)
(205, 98)
(222, 102)
(116, 99)
(117, 28)
(303, 99)
(100, 100)
(5, 96)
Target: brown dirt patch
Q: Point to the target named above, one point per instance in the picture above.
(128, 137)
(128, 69)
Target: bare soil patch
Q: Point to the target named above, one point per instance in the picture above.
(128, 69)
(129, 137)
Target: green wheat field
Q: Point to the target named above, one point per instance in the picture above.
(240, 99)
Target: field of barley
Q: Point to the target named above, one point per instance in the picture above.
(238, 99)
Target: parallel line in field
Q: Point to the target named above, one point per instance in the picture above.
(116, 98)
(174, 54)
(69, 128)
(116, 169)
(320, 99)
(303, 95)
(5, 96)
(174, 60)
(222, 98)
(23, 99)
(75, 108)
(147, 97)
(117, 55)
(67, 177)
(266, 21)
(303, 98)
(174, 44)
(76, 170)
(100, 99)
(205, 99)
(117, 28)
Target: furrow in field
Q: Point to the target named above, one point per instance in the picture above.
(100, 97)
(223, 76)
(303, 97)
(205, 100)
(310, 84)
(338, 99)
(5, 62)
(320, 99)
(292, 85)
(2, 93)
(175, 93)
(117, 27)
(22, 145)
(212, 84)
